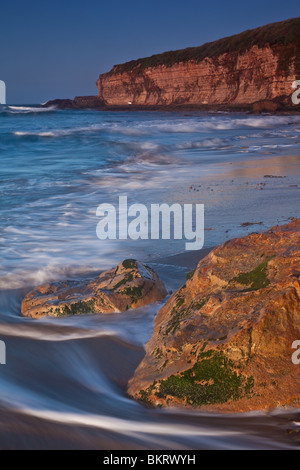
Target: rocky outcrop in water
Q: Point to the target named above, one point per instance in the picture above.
(79, 102)
(130, 285)
(224, 340)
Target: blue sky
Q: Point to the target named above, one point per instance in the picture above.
(56, 49)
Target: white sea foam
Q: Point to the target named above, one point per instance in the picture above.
(38, 134)
(60, 132)
(205, 143)
(158, 126)
(26, 278)
(218, 123)
(29, 109)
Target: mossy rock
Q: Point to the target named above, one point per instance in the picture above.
(77, 308)
(255, 279)
(212, 380)
(130, 264)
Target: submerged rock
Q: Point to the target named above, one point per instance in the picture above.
(130, 285)
(224, 340)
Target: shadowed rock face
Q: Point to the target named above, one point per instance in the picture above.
(130, 285)
(224, 340)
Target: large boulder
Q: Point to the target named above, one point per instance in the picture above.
(224, 340)
(130, 285)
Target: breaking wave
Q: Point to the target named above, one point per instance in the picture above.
(28, 109)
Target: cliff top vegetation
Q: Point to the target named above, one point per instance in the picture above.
(284, 35)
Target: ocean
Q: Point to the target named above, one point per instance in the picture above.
(64, 384)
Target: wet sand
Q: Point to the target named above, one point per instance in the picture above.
(188, 259)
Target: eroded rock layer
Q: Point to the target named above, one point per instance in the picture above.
(255, 65)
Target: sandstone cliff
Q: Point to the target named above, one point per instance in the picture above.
(225, 338)
(259, 64)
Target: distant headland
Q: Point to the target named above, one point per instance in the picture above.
(255, 70)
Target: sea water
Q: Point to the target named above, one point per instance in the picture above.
(64, 382)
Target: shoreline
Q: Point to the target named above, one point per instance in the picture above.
(186, 259)
(95, 103)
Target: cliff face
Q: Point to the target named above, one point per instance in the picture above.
(227, 79)
(225, 338)
(256, 65)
